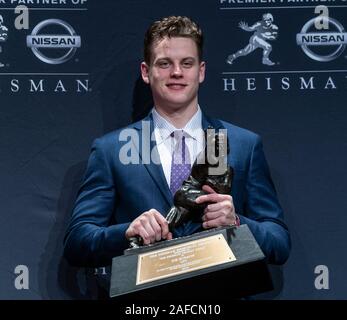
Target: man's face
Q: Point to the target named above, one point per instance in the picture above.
(174, 73)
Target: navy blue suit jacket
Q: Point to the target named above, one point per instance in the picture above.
(113, 195)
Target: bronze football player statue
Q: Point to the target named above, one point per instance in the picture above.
(185, 208)
(210, 168)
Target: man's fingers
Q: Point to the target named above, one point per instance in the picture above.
(208, 189)
(207, 198)
(156, 227)
(220, 220)
(142, 232)
(146, 224)
(214, 206)
(164, 226)
(224, 205)
(212, 197)
(151, 226)
(212, 223)
(211, 216)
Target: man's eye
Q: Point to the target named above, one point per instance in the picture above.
(188, 64)
(163, 64)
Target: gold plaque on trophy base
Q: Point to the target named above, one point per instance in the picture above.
(182, 258)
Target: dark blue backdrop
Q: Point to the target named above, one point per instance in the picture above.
(47, 127)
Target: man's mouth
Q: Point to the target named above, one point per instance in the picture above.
(176, 86)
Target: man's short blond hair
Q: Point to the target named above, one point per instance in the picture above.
(173, 26)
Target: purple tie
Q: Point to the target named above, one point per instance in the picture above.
(180, 164)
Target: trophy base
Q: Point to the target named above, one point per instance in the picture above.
(221, 263)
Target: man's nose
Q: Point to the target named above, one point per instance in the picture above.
(176, 70)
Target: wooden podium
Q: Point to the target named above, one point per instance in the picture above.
(222, 263)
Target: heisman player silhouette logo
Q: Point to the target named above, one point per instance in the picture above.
(3, 35)
(264, 31)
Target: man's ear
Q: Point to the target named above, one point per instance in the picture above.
(145, 72)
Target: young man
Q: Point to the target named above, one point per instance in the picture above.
(120, 199)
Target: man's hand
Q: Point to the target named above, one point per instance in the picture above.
(151, 226)
(220, 211)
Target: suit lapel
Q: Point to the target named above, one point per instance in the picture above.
(154, 168)
(210, 122)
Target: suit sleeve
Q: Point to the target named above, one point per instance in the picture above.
(263, 213)
(90, 240)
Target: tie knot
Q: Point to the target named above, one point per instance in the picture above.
(179, 142)
(178, 135)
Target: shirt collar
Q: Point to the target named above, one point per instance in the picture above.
(165, 128)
